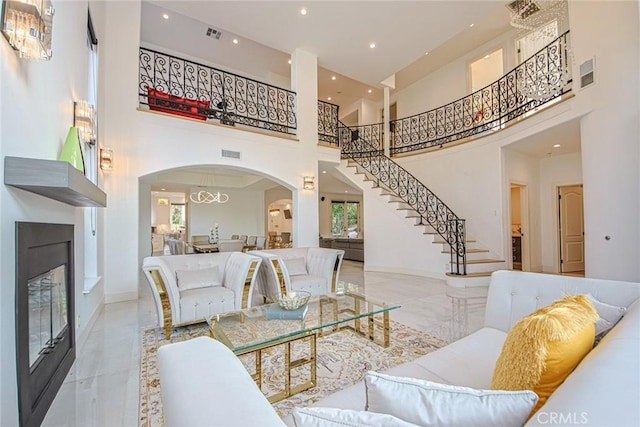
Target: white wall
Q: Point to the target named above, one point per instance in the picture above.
(451, 81)
(610, 145)
(36, 111)
(523, 170)
(554, 172)
(242, 214)
(145, 143)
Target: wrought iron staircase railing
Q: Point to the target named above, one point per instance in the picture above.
(187, 88)
(540, 79)
(387, 173)
(328, 123)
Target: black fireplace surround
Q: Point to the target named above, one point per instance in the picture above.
(45, 328)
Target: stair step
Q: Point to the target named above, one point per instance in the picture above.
(442, 242)
(469, 251)
(484, 261)
(482, 274)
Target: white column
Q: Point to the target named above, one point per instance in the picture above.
(304, 81)
(387, 136)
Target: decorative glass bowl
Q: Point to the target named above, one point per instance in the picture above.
(293, 300)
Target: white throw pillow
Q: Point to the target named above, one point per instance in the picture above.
(194, 279)
(609, 315)
(330, 417)
(426, 403)
(296, 266)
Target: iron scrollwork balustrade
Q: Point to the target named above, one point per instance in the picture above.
(189, 88)
(432, 210)
(328, 122)
(538, 80)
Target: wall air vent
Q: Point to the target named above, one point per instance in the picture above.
(523, 8)
(587, 73)
(231, 154)
(212, 32)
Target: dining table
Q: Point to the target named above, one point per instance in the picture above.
(207, 248)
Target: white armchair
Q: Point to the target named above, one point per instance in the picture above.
(315, 270)
(188, 288)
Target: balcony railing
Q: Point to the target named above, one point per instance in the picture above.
(174, 85)
(540, 79)
(328, 122)
(372, 134)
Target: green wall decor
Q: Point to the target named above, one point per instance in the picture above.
(72, 151)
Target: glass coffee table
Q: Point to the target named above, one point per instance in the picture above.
(249, 331)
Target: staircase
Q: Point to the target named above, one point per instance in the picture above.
(469, 263)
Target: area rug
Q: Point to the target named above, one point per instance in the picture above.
(343, 358)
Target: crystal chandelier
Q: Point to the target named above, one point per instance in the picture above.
(542, 76)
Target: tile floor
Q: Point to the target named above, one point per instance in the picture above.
(102, 387)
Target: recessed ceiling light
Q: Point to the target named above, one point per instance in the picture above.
(426, 53)
(289, 61)
(369, 91)
(324, 171)
(556, 145)
(235, 41)
(346, 191)
(333, 77)
(471, 25)
(165, 15)
(163, 189)
(328, 98)
(303, 11)
(372, 45)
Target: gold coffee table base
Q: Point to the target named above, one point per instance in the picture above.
(290, 365)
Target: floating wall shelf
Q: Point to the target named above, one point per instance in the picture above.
(54, 179)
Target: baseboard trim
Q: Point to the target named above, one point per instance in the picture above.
(401, 270)
(82, 338)
(120, 296)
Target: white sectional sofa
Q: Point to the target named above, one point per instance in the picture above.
(604, 390)
(178, 305)
(298, 269)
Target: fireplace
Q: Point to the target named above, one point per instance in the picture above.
(45, 339)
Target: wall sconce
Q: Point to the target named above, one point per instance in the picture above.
(274, 212)
(309, 183)
(84, 118)
(106, 159)
(27, 25)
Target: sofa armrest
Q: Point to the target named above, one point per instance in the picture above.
(204, 383)
(164, 289)
(240, 269)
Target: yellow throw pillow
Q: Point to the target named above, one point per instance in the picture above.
(542, 349)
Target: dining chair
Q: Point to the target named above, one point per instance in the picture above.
(230, 245)
(234, 237)
(260, 242)
(285, 240)
(273, 238)
(243, 237)
(251, 240)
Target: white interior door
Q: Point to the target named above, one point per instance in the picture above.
(571, 228)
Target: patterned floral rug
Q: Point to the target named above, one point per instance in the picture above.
(343, 358)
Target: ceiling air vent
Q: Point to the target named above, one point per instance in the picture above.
(231, 154)
(523, 8)
(212, 32)
(587, 73)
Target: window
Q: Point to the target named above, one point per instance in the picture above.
(345, 219)
(178, 216)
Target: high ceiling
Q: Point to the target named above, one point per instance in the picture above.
(339, 33)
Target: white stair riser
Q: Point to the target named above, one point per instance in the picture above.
(485, 267)
(474, 256)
